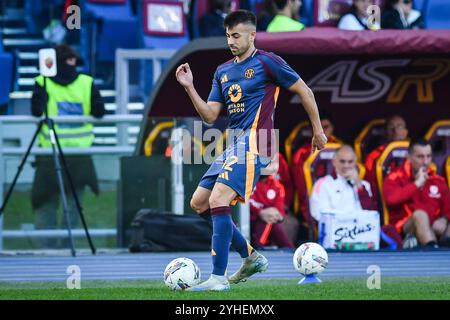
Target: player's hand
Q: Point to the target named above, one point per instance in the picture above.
(269, 215)
(353, 176)
(421, 177)
(184, 75)
(319, 141)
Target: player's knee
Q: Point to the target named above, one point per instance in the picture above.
(198, 206)
(216, 201)
(420, 217)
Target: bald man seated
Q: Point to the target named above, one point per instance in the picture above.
(343, 190)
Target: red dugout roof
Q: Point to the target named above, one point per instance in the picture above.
(368, 74)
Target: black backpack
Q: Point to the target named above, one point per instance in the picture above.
(156, 231)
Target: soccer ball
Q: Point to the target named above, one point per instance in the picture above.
(181, 273)
(310, 258)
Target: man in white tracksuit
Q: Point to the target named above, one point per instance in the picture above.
(343, 190)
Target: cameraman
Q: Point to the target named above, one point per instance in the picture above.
(67, 94)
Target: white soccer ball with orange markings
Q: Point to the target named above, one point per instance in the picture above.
(181, 273)
(310, 258)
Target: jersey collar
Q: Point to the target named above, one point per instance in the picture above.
(251, 56)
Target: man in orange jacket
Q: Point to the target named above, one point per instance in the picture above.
(418, 200)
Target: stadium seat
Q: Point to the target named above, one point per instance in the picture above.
(307, 12)
(37, 13)
(158, 138)
(111, 26)
(322, 158)
(419, 5)
(436, 14)
(439, 137)
(392, 157)
(301, 134)
(6, 76)
(370, 137)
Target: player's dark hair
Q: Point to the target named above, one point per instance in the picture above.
(239, 16)
(418, 142)
(280, 4)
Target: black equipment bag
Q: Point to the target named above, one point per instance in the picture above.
(156, 231)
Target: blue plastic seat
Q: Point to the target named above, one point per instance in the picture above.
(437, 14)
(6, 76)
(113, 25)
(307, 12)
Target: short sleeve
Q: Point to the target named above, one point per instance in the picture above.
(280, 72)
(216, 90)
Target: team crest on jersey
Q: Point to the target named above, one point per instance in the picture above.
(249, 73)
(235, 92)
(434, 192)
(271, 194)
(224, 78)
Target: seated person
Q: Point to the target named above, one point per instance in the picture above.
(399, 14)
(287, 17)
(418, 200)
(267, 212)
(211, 24)
(357, 17)
(299, 159)
(396, 130)
(344, 190)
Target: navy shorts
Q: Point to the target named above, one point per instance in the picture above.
(237, 167)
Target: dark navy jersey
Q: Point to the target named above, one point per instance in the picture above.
(249, 89)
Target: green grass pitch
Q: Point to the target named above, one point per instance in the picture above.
(331, 289)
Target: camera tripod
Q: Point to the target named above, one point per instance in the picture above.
(58, 160)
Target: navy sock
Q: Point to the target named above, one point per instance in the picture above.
(240, 244)
(221, 239)
(238, 241)
(206, 215)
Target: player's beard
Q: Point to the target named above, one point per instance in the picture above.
(240, 51)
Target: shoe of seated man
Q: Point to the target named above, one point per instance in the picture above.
(254, 263)
(410, 242)
(214, 283)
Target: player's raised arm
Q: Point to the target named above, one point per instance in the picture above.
(309, 103)
(207, 111)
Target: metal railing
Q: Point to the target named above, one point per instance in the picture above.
(122, 148)
(123, 57)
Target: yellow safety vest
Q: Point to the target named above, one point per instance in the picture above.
(73, 99)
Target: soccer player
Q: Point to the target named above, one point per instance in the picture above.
(248, 86)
